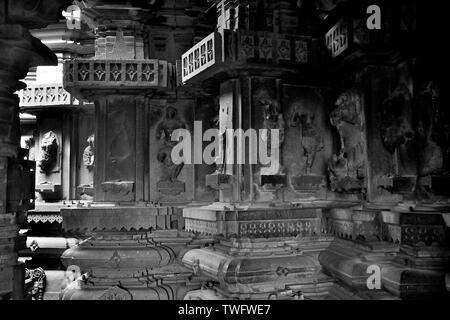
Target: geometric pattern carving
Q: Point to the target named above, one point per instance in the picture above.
(245, 46)
(199, 58)
(45, 95)
(44, 218)
(114, 73)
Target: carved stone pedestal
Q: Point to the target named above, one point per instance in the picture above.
(398, 184)
(262, 253)
(131, 253)
(219, 181)
(408, 244)
(264, 222)
(437, 184)
(275, 268)
(307, 183)
(348, 261)
(9, 245)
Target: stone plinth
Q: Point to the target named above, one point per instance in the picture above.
(275, 268)
(228, 221)
(131, 253)
(262, 253)
(408, 243)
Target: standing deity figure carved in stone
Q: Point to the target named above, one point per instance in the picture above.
(434, 132)
(223, 122)
(49, 151)
(89, 151)
(30, 146)
(347, 168)
(273, 120)
(164, 132)
(311, 141)
(396, 129)
(219, 159)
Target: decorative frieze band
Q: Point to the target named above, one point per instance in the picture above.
(243, 46)
(81, 73)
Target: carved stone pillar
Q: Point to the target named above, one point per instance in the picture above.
(134, 227)
(19, 50)
(268, 242)
(16, 56)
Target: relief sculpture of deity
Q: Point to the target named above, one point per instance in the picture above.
(119, 143)
(219, 158)
(311, 141)
(434, 132)
(347, 168)
(396, 129)
(49, 151)
(89, 151)
(434, 140)
(164, 131)
(273, 120)
(223, 122)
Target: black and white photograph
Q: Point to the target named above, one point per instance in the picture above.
(224, 150)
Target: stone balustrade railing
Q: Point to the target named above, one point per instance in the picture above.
(242, 48)
(200, 57)
(104, 74)
(46, 95)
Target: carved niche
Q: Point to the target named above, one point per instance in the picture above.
(347, 168)
(48, 156)
(220, 180)
(119, 174)
(169, 183)
(119, 142)
(434, 138)
(396, 127)
(273, 120)
(311, 143)
(397, 135)
(88, 154)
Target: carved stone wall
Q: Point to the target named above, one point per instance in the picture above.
(392, 131)
(116, 149)
(347, 168)
(309, 142)
(169, 181)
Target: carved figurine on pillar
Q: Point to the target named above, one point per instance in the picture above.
(220, 179)
(397, 135)
(86, 191)
(347, 168)
(273, 179)
(311, 143)
(169, 183)
(88, 154)
(49, 152)
(30, 144)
